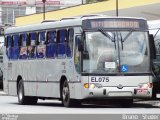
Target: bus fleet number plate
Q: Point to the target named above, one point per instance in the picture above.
(99, 79)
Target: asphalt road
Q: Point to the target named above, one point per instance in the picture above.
(9, 104)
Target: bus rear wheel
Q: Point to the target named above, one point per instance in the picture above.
(66, 100)
(22, 99)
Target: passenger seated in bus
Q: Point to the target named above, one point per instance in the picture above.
(41, 50)
(23, 53)
(31, 51)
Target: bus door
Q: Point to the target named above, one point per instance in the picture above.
(77, 53)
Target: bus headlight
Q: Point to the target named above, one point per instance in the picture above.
(145, 85)
(92, 85)
(98, 85)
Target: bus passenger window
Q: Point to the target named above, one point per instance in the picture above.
(15, 49)
(8, 46)
(69, 44)
(41, 48)
(20, 41)
(31, 45)
(23, 46)
(61, 43)
(51, 44)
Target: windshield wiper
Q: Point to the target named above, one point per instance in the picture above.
(125, 38)
(127, 35)
(108, 36)
(121, 40)
(156, 33)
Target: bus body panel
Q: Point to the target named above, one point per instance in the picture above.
(118, 86)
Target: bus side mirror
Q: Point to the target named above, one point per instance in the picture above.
(80, 45)
(152, 47)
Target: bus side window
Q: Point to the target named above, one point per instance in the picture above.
(41, 48)
(51, 44)
(61, 43)
(31, 44)
(23, 46)
(8, 46)
(15, 49)
(69, 44)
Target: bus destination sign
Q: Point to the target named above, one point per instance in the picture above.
(114, 23)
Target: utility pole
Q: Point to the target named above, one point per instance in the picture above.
(117, 8)
(43, 9)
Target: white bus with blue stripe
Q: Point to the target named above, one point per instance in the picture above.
(76, 59)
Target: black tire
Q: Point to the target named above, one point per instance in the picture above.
(22, 99)
(66, 100)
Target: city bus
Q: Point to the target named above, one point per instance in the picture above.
(92, 57)
(154, 29)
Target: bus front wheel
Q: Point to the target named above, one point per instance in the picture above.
(66, 100)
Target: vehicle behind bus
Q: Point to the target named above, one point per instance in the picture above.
(154, 29)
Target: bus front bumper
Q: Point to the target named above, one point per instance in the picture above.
(114, 92)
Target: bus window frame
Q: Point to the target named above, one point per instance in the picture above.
(31, 48)
(40, 46)
(51, 45)
(59, 42)
(23, 37)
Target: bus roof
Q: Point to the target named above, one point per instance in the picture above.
(65, 22)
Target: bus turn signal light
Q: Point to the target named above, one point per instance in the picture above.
(86, 85)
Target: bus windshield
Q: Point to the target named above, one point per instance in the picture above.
(110, 51)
